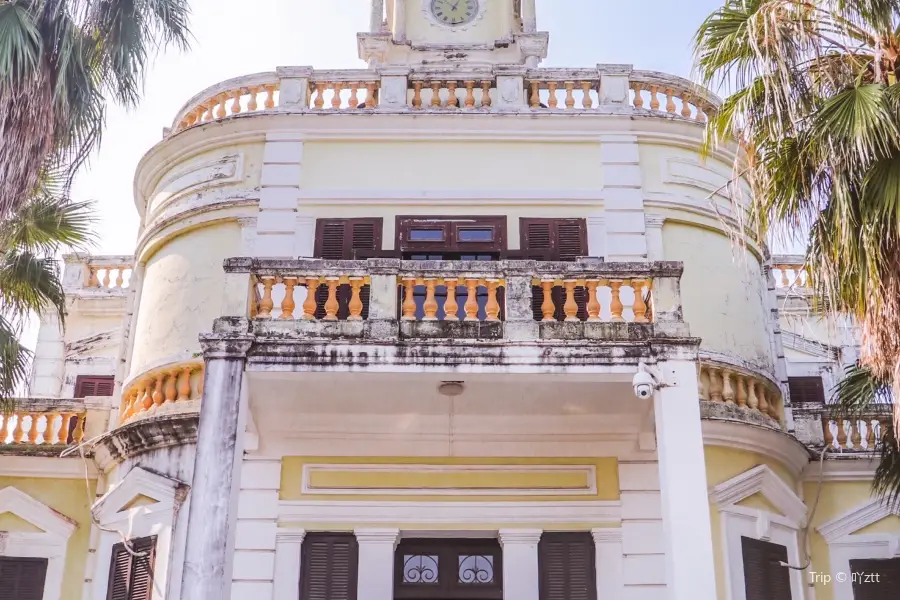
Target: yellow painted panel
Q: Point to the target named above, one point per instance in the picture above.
(461, 526)
(70, 498)
(15, 524)
(889, 524)
(759, 502)
(360, 481)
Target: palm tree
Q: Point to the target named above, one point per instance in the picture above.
(29, 274)
(59, 60)
(815, 104)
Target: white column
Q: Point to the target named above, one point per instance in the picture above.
(521, 577)
(529, 16)
(623, 198)
(288, 545)
(655, 249)
(399, 20)
(377, 18)
(279, 189)
(608, 561)
(375, 580)
(690, 574)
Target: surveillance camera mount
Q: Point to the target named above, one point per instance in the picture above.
(654, 373)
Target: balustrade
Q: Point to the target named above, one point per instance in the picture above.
(466, 297)
(337, 92)
(466, 94)
(108, 276)
(790, 273)
(39, 423)
(311, 297)
(593, 299)
(251, 93)
(580, 93)
(161, 389)
(725, 384)
(862, 433)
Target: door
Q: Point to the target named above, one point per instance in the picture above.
(448, 569)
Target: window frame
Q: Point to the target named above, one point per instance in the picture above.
(448, 551)
(451, 226)
(82, 380)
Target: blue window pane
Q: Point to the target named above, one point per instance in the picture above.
(426, 235)
(476, 235)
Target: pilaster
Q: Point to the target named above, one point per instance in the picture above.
(375, 579)
(288, 546)
(510, 88)
(521, 574)
(654, 227)
(276, 234)
(623, 199)
(608, 562)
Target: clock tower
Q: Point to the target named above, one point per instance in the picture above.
(448, 32)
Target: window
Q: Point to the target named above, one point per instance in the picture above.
(90, 385)
(346, 239)
(806, 389)
(448, 568)
(567, 567)
(764, 577)
(328, 566)
(131, 575)
(880, 579)
(555, 240)
(22, 578)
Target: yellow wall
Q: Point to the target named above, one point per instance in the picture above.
(496, 24)
(70, 498)
(182, 293)
(721, 291)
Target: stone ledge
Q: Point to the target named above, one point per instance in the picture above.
(733, 412)
(144, 435)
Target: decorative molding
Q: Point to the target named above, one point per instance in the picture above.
(46, 467)
(761, 440)
(377, 536)
(692, 172)
(37, 513)
(859, 467)
(811, 347)
(853, 520)
(227, 169)
(311, 513)
(606, 536)
(313, 197)
(588, 471)
(519, 536)
(760, 479)
(167, 492)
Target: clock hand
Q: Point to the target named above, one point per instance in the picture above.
(456, 5)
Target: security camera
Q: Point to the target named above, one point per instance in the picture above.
(643, 385)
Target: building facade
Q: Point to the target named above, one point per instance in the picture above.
(453, 326)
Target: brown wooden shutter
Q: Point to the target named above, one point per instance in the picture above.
(806, 389)
(90, 385)
(341, 239)
(566, 564)
(328, 566)
(764, 577)
(883, 582)
(554, 240)
(131, 577)
(22, 578)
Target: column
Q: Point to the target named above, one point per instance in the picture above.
(623, 198)
(288, 544)
(655, 249)
(213, 512)
(529, 16)
(608, 563)
(375, 579)
(690, 574)
(399, 20)
(377, 18)
(521, 576)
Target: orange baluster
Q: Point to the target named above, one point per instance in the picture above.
(409, 300)
(331, 305)
(288, 304)
(472, 300)
(356, 303)
(451, 306)
(547, 307)
(492, 309)
(570, 308)
(593, 306)
(309, 305)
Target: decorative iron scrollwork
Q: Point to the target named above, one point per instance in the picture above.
(476, 569)
(420, 568)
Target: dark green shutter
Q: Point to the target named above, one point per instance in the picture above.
(328, 566)
(764, 577)
(130, 576)
(22, 578)
(883, 581)
(561, 240)
(341, 239)
(567, 567)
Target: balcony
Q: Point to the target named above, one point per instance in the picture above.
(46, 426)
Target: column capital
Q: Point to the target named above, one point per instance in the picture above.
(520, 536)
(377, 536)
(654, 220)
(290, 536)
(607, 535)
(225, 346)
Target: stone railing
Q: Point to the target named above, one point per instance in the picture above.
(603, 89)
(171, 388)
(109, 273)
(43, 422)
(859, 434)
(790, 273)
(740, 393)
(503, 299)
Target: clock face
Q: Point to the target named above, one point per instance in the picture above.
(454, 12)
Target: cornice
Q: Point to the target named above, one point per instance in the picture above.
(760, 479)
(760, 440)
(853, 520)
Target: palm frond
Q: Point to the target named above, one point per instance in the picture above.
(46, 223)
(29, 283)
(15, 360)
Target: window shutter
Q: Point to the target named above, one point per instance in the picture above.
(94, 386)
(884, 587)
(329, 562)
(806, 389)
(131, 577)
(566, 564)
(555, 240)
(340, 239)
(764, 577)
(22, 578)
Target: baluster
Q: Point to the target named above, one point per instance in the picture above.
(535, 94)
(752, 398)
(593, 305)
(654, 98)
(19, 431)
(553, 102)
(157, 391)
(471, 305)
(270, 96)
(49, 430)
(371, 95)
(33, 429)
(716, 385)
(670, 101)
(221, 110)
(251, 103)
(236, 102)
(492, 309)
(62, 432)
(288, 304)
(638, 98)
(855, 437)
(871, 439)
(784, 276)
(728, 392)
(266, 303)
(841, 433)
(436, 94)
(639, 307)
(309, 305)
(184, 385)
(547, 307)
(417, 95)
(685, 105)
(570, 308)
(319, 101)
(741, 391)
(409, 300)
(570, 94)
(616, 306)
(763, 402)
(106, 279)
(452, 101)
(826, 432)
(92, 277)
(130, 405)
(586, 100)
(336, 99)
(451, 306)
(356, 303)
(485, 94)
(430, 307)
(354, 96)
(78, 432)
(703, 384)
(470, 95)
(170, 392)
(331, 305)
(120, 277)
(773, 406)
(209, 109)
(701, 112)
(200, 383)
